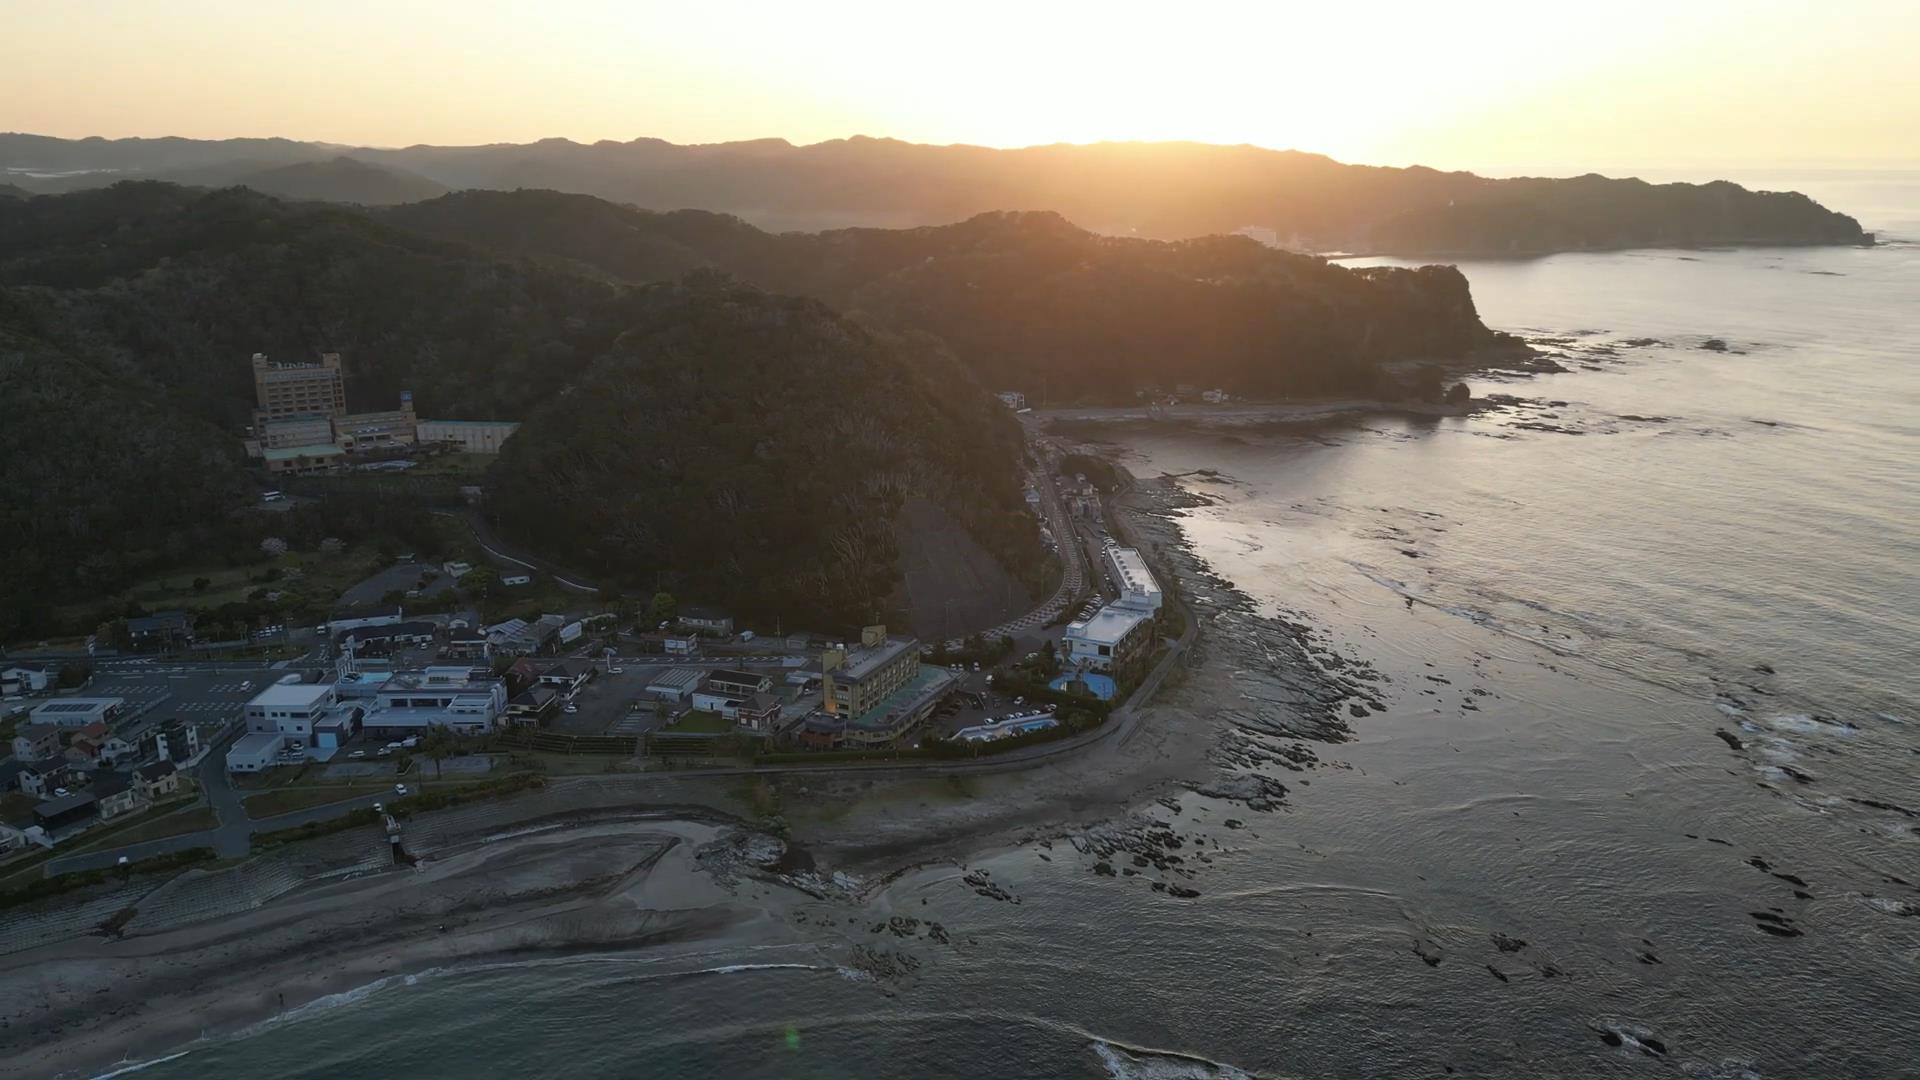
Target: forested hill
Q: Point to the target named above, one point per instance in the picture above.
(128, 314)
(760, 445)
(1167, 190)
(1028, 300)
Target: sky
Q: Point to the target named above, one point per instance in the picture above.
(1490, 86)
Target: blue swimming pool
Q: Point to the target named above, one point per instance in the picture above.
(1101, 685)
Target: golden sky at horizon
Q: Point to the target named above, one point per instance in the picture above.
(1469, 85)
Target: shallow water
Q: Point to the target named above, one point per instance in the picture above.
(1545, 856)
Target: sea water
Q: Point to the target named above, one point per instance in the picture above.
(1545, 856)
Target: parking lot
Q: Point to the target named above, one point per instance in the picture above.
(604, 706)
(189, 691)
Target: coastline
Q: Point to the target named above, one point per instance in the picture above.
(611, 867)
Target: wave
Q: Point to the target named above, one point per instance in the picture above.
(1137, 1063)
(327, 1003)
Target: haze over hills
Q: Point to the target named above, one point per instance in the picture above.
(127, 315)
(1029, 301)
(1158, 190)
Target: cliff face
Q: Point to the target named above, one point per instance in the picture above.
(1159, 190)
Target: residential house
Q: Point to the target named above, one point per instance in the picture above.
(534, 706)
(156, 780)
(33, 742)
(681, 644)
(23, 679)
(707, 620)
(41, 779)
(157, 633)
(758, 713)
(118, 749)
(64, 810)
(114, 794)
(567, 676)
(83, 752)
(10, 771)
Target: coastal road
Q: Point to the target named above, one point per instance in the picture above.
(1073, 575)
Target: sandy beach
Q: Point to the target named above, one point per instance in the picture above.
(593, 865)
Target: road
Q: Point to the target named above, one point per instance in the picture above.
(1073, 574)
(231, 838)
(500, 553)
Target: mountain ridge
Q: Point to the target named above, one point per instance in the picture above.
(1171, 190)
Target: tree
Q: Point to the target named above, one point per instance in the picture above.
(663, 607)
(438, 744)
(200, 584)
(1458, 394)
(75, 673)
(273, 547)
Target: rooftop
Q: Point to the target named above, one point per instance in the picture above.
(678, 678)
(64, 803)
(292, 695)
(288, 453)
(67, 706)
(733, 675)
(1107, 626)
(862, 663)
(254, 742)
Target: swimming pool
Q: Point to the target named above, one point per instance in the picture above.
(1101, 685)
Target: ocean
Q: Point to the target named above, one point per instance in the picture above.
(1634, 790)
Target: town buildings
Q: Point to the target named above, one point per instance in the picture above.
(873, 695)
(23, 679)
(301, 423)
(707, 620)
(467, 436)
(1138, 589)
(77, 712)
(465, 700)
(159, 633)
(1110, 640)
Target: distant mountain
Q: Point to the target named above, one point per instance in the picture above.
(1156, 190)
(343, 180)
(10, 191)
(1029, 301)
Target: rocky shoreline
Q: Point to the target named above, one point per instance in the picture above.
(582, 871)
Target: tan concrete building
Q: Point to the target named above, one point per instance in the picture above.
(284, 390)
(854, 681)
(375, 430)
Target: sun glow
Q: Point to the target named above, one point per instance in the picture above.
(1454, 85)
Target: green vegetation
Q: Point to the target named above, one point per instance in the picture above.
(46, 888)
(752, 450)
(1027, 300)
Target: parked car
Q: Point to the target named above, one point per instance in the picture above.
(385, 751)
(616, 671)
(410, 742)
(400, 790)
(572, 708)
(358, 754)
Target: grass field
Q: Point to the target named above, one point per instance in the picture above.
(319, 577)
(287, 800)
(169, 823)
